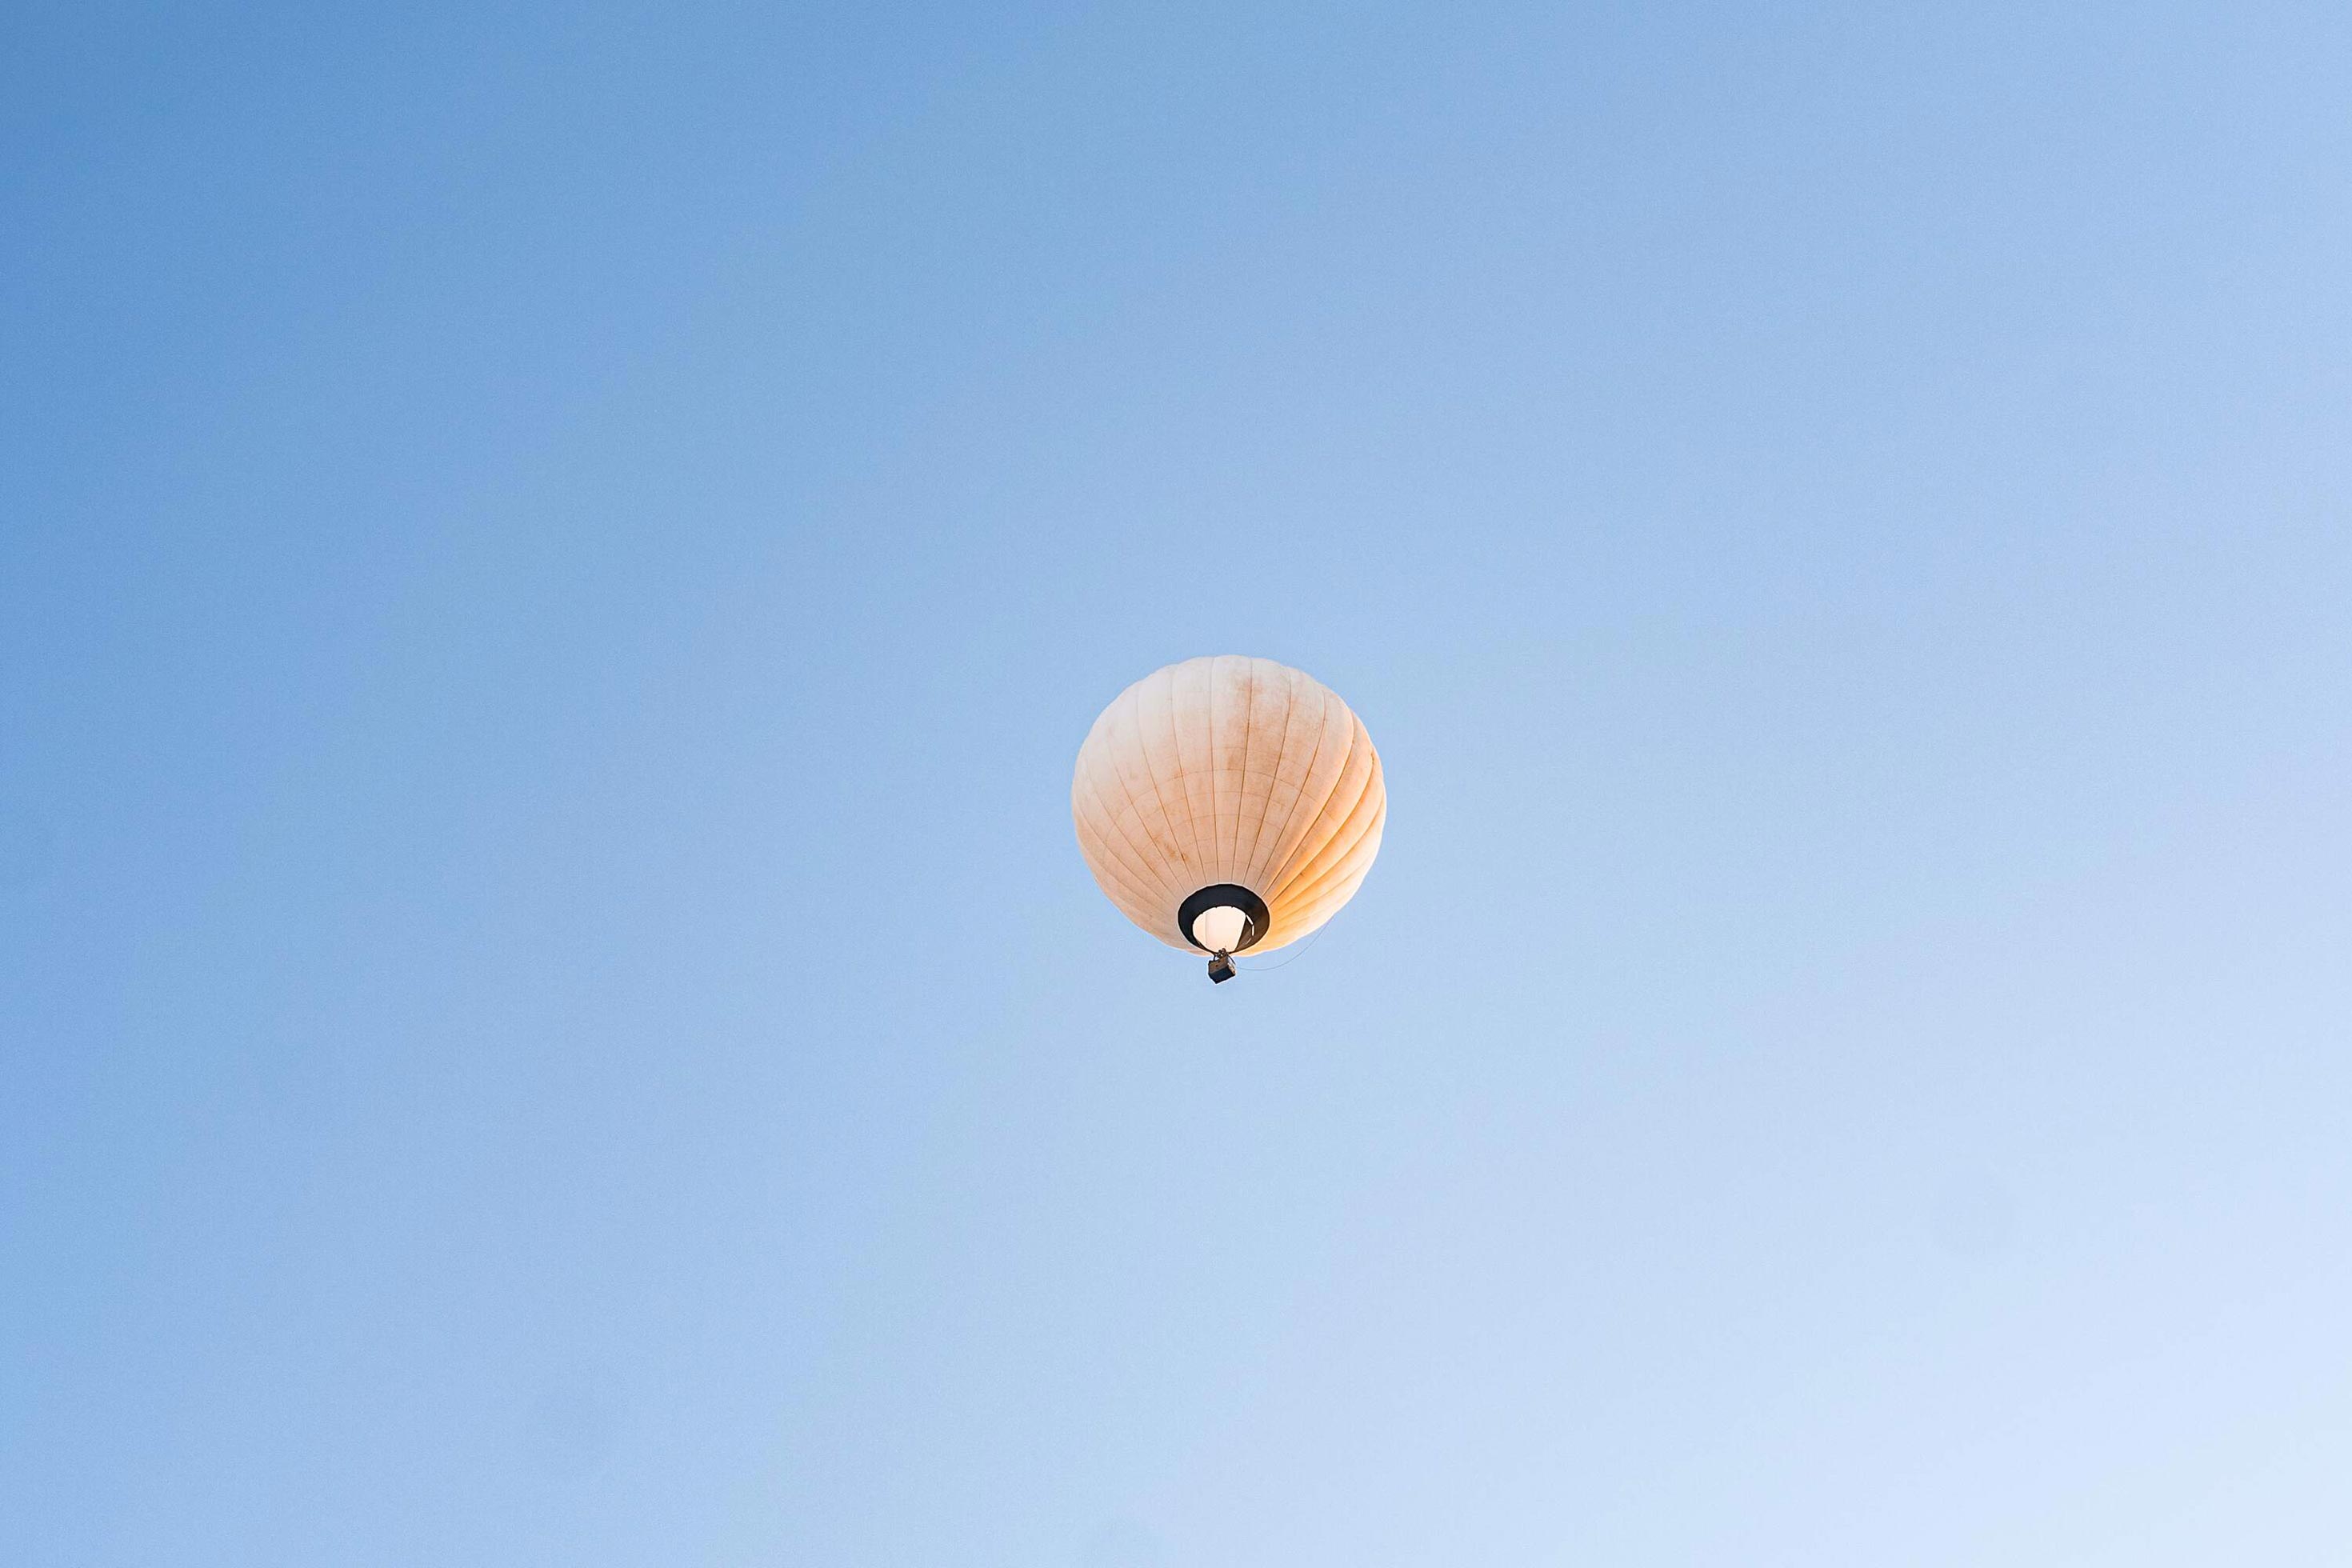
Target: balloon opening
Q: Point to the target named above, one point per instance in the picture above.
(1223, 917)
(1220, 930)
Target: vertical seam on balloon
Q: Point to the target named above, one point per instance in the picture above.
(1128, 790)
(1298, 862)
(1106, 859)
(1208, 868)
(1112, 873)
(1176, 744)
(1337, 851)
(1310, 889)
(1159, 795)
(1339, 847)
(1307, 863)
(1240, 796)
(1118, 825)
(1282, 749)
(1308, 817)
(1335, 888)
(1241, 857)
(1126, 860)
(1312, 913)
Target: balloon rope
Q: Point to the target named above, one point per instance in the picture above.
(1310, 941)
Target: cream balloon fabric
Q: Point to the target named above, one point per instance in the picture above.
(1229, 770)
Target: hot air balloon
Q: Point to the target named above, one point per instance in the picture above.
(1228, 805)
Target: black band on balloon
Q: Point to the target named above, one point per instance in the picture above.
(1225, 895)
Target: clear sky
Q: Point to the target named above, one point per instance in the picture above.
(554, 564)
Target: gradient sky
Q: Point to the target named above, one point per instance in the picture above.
(554, 562)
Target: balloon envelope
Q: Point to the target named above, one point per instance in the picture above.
(1229, 773)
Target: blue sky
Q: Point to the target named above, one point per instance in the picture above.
(552, 568)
